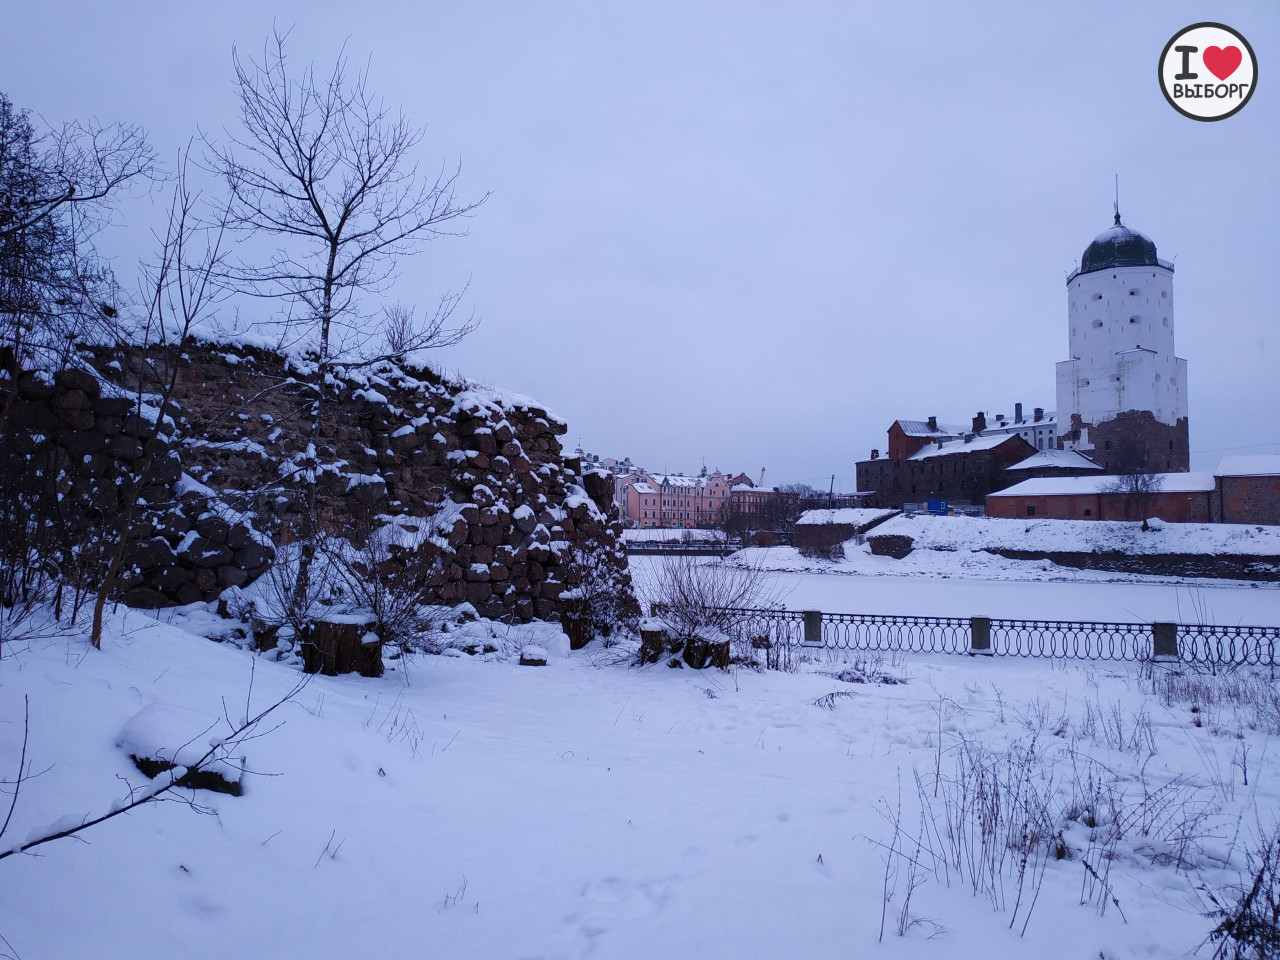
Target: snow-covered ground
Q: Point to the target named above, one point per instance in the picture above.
(470, 807)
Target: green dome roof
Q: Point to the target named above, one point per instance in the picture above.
(1120, 247)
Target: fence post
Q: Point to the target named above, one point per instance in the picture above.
(1164, 641)
(812, 628)
(980, 637)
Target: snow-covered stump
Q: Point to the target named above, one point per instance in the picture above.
(702, 652)
(653, 640)
(346, 645)
(161, 736)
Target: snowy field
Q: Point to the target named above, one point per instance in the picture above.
(471, 807)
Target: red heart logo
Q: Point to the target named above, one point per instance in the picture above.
(1222, 62)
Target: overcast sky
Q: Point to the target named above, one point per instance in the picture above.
(756, 234)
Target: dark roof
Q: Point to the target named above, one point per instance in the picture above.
(1119, 247)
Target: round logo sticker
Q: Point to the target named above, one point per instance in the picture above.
(1208, 71)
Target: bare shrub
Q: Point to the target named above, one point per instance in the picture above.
(1249, 927)
(701, 599)
(394, 577)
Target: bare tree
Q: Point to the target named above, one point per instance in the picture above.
(326, 169)
(182, 292)
(405, 334)
(55, 193)
(1134, 480)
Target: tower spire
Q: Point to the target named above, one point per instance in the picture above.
(1117, 203)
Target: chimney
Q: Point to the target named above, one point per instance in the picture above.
(979, 422)
(933, 423)
(875, 454)
(1039, 413)
(1017, 413)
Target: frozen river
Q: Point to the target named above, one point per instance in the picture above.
(1072, 596)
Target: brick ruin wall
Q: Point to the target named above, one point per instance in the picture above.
(474, 475)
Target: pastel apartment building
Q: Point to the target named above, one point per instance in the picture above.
(674, 500)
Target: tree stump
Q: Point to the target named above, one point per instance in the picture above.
(653, 641)
(700, 653)
(332, 647)
(575, 618)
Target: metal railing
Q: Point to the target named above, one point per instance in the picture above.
(689, 548)
(798, 631)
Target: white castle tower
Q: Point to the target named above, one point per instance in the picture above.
(1122, 397)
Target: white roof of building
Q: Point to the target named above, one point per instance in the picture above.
(956, 447)
(920, 428)
(676, 480)
(855, 516)
(643, 488)
(1066, 486)
(1008, 426)
(1057, 459)
(1255, 465)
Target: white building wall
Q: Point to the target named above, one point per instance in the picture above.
(1120, 332)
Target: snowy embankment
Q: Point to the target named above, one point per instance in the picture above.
(1084, 536)
(470, 807)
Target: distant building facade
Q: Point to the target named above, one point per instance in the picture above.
(672, 500)
(932, 461)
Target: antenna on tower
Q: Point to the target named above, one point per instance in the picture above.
(1117, 204)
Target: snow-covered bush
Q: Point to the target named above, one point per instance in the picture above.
(600, 600)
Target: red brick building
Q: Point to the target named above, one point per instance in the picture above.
(1172, 497)
(1244, 489)
(932, 467)
(1247, 490)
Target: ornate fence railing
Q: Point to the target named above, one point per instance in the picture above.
(784, 634)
